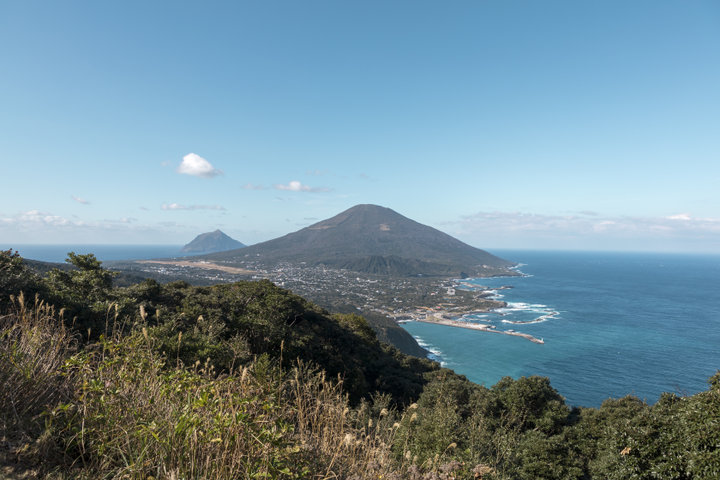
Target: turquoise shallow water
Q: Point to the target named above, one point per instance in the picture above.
(626, 323)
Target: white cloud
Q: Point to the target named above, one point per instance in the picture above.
(37, 220)
(604, 225)
(80, 200)
(250, 186)
(177, 206)
(680, 216)
(516, 221)
(579, 231)
(36, 217)
(296, 186)
(197, 166)
(37, 226)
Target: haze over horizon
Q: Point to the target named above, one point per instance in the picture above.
(546, 125)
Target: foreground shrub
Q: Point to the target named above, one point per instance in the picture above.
(16, 277)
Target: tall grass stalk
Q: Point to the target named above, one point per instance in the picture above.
(34, 344)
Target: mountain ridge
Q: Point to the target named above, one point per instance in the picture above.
(373, 239)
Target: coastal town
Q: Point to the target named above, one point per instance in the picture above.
(446, 302)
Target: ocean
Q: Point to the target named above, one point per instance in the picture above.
(58, 253)
(614, 324)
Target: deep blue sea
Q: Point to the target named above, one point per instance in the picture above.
(58, 253)
(614, 324)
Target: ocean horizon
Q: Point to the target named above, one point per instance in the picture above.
(104, 252)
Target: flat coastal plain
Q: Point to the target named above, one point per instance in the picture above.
(202, 264)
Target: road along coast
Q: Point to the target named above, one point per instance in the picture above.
(440, 318)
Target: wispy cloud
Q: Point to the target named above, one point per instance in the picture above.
(33, 226)
(581, 229)
(197, 166)
(39, 218)
(80, 200)
(524, 222)
(250, 186)
(680, 216)
(296, 186)
(177, 206)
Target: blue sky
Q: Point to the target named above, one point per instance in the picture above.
(513, 124)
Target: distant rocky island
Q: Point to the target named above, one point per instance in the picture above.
(211, 242)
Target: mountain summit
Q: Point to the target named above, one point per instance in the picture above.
(210, 242)
(378, 240)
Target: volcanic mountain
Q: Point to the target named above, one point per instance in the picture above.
(377, 240)
(210, 242)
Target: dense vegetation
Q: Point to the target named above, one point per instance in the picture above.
(247, 380)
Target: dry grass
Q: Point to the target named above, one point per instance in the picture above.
(348, 443)
(118, 410)
(34, 344)
(133, 418)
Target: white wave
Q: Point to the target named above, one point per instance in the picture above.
(437, 356)
(537, 320)
(548, 315)
(434, 353)
(523, 307)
